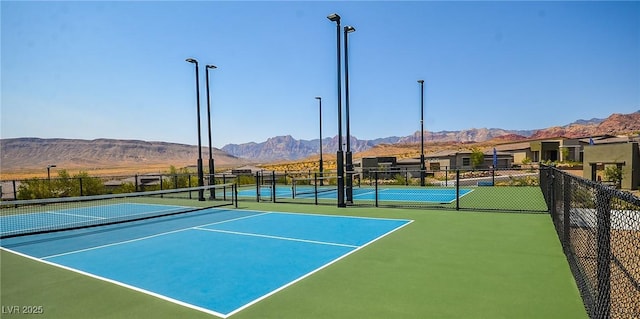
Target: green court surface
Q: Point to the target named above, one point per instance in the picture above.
(446, 264)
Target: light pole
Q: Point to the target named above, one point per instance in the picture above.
(339, 155)
(49, 172)
(200, 173)
(348, 29)
(422, 168)
(320, 117)
(212, 172)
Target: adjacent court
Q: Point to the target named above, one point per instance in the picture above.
(216, 261)
(399, 194)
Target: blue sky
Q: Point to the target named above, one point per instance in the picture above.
(117, 69)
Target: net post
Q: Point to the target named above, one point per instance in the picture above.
(457, 189)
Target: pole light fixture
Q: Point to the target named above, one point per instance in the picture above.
(334, 17)
(349, 155)
(422, 167)
(200, 172)
(212, 173)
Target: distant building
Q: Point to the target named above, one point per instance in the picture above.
(619, 152)
(461, 159)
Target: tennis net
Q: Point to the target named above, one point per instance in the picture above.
(27, 217)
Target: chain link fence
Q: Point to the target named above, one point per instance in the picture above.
(514, 190)
(599, 227)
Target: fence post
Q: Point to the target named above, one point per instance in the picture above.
(552, 194)
(81, 192)
(566, 223)
(273, 186)
(406, 177)
(446, 176)
(457, 189)
(315, 187)
(603, 204)
(15, 191)
(376, 187)
(258, 186)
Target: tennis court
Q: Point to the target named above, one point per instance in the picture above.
(216, 261)
(399, 194)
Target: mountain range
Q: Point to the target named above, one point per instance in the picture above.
(23, 153)
(289, 148)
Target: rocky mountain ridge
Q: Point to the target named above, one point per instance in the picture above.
(289, 148)
(21, 153)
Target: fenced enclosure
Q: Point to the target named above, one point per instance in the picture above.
(491, 190)
(599, 228)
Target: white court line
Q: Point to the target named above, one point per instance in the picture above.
(143, 238)
(75, 215)
(276, 237)
(151, 293)
(316, 270)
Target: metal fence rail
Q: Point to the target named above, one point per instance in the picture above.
(599, 228)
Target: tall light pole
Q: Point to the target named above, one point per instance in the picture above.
(320, 117)
(212, 176)
(49, 172)
(348, 29)
(339, 155)
(422, 167)
(200, 173)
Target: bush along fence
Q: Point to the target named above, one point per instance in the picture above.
(599, 228)
(513, 190)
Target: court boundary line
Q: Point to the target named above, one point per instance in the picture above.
(276, 237)
(118, 283)
(291, 283)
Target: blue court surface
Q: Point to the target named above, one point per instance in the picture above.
(217, 261)
(422, 195)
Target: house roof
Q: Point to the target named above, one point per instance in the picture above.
(610, 139)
